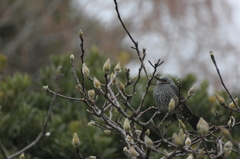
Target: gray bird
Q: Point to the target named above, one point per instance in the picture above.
(163, 92)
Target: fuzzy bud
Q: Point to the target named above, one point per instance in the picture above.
(231, 121)
(188, 141)
(232, 105)
(133, 153)
(225, 132)
(166, 154)
(114, 79)
(107, 66)
(128, 139)
(75, 140)
(147, 132)
(211, 53)
(125, 150)
(85, 70)
(80, 33)
(220, 99)
(138, 132)
(118, 68)
(91, 123)
(121, 86)
(202, 127)
(171, 105)
(228, 148)
(91, 94)
(192, 91)
(96, 83)
(148, 142)
(45, 87)
(107, 131)
(78, 87)
(190, 156)
(92, 157)
(181, 124)
(22, 156)
(126, 125)
(72, 57)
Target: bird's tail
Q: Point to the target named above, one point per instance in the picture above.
(193, 121)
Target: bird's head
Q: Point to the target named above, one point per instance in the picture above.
(164, 80)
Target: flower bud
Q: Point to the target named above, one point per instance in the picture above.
(181, 124)
(192, 91)
(107, 131)
(91, 94)
(138, 132)
(147, 132)
(188, 141)
(190, 156)
(179, 138)
(118, 68)
(107, 66)
(45, 87)
(126, 125)
(133, 153)
(148, 142)
(96, 83)
(78, 87)
(128, 139)
(80, 33)
(121, 86)
(75, 140)
(232, 105)
(72, 57)
(91, 123)
(202, 127)
(125, 150)
(47, 134)
(220, 99)
(85, 70)
(171, 105)
(92, 157)
(225, 132)
(211, 53)
(228, 148)
(22, 156)
(201, 154)
(231, 121)
(114, 79)
(166, 154)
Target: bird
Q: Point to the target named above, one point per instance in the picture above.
(163, 92)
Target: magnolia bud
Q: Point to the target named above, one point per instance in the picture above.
(181, 124)
(171, 105)
(220, 99)
(211, 53)
(147, 132)
(201, 154)
(118, 68)
(166, 154)
(22, 156)
(128, 139)
(80, 33)
(228, 148)
(148, 142)
(91, 94)
(72, 57)
(92, 157)
(121, 86)
(232, 105)
(177, 140)
(45, 87)
(96, 83)
(126, 125)
(75, 140)
(114, 79)
(192, 91)
(125, 150)
(107, 131)
(202, 127)
(225, 132)
(107, 66)
(133, 153)
(78, 87)
(91, 123)
(190, 156)
(188, 141)
(85, 70)
(231, 121)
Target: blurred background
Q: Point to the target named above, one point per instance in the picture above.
(38, 36)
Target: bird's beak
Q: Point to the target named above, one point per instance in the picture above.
(161, 80)
(157, 78)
